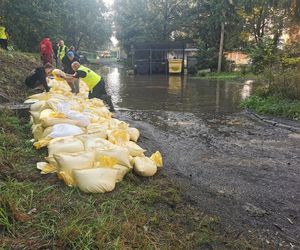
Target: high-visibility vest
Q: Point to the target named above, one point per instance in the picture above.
(91, 79)
(61, 52)
(2, 33)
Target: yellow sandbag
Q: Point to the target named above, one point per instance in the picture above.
(134, 149)
(92, 142)
(69, 162)
(46, 168)
(42, 143)
(48, 118)
(37, 131)
(47, 132)
(122, 171)
(51, 161)
(117, 152)
(144, 166)
(38, 106)
(35, 115)
(97, 128)
(116, 124)
(134, 134)
(118, 136)
(157, 158)
(96, 180)
(65, 145)
(58, 74)
(107, 161)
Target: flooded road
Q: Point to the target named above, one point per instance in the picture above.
(174, 93)
(243, 170)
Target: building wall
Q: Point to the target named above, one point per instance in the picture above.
(238, 57)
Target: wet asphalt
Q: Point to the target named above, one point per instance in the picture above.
(230, 164)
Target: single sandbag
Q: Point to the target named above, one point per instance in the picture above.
(122, 171)
(110, 162)
(117, 152)
(97, 128)
(38, 106)
(49, 118)
(46, 168)
(134, 134)
(63, 130)
(117, 124)
(144, 166)
(51, 161)
(92, 142)
(35, 115)
(37, 131)
(157, 158)
(69, 162)
(96, 180)
(118, 136)
(65, 145)
(134, 149)
(58, 74)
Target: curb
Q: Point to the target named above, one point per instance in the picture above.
(273, 123)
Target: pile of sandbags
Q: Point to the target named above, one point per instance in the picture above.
(87, 147)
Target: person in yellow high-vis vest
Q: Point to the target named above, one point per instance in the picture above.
(95, 83)
(3, 37)
(61, 52)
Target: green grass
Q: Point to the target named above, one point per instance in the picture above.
(15, 66)
(273, 105)
(39, 211)
(225, 76)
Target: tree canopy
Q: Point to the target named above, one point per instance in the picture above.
(79, 23)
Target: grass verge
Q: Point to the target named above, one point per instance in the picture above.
(40, 212)
(15, 66)
(273, 105)
(225, 76)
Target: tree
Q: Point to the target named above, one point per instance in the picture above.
(78, 22)
(147, 20)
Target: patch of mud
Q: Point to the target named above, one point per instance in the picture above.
(245, 171)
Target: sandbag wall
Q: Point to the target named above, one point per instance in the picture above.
(87, 147)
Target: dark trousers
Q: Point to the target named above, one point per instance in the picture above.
(99, 92)
(3, 43)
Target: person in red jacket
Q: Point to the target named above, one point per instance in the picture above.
(46, 50)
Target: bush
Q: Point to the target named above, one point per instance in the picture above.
(273, 105)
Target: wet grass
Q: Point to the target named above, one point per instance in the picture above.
(15, 66)
(39, 211)
(225, 76)
(273, 105)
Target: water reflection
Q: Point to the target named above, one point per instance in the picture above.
(173, 93)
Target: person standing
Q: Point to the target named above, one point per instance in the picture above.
(62, 50)
(3, 37)
(46, 50)
(67, 61)
(94, 82)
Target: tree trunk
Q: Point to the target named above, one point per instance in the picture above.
(221, 48)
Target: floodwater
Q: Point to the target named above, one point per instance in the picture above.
(173, 93)
(242, 170)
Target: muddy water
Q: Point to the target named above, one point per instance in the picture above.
(174, 93)
(240, 169)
